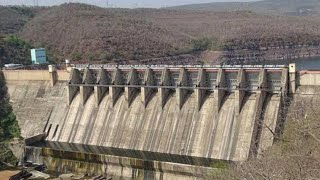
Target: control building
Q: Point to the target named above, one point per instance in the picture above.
(38, 56)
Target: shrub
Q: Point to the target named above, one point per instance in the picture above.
(76, 56)
(14, 40)
(201, 44)
(91, 57)
(9, 127)
(106, 56)
(204, 44)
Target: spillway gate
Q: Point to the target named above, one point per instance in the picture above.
(183, 80)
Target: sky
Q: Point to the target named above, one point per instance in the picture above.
(116, 3)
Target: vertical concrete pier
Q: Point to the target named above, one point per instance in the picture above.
(114, 91)
(146, 91)
(202, 83)
(182, 93)
(72, 88)
(103, 79)
(165, 91)
(292, 78)
(53, 75)
(131, 92)
(260, 98)
(240, 92)
(85, 90)
(220, 89)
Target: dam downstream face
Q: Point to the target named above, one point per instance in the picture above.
(156, 130)
(189, 117)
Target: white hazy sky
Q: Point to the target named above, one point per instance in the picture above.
(116, 3)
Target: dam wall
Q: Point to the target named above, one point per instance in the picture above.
(308, 78)
(212, 113)
(35, 75)
(187, 115)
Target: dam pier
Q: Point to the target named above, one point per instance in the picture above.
(153, 122)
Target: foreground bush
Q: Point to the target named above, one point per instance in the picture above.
(9, 127)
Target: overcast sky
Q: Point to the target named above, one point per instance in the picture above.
(115, 3)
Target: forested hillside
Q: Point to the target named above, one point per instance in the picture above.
(85, 33)
(12, 19)
(12, 48)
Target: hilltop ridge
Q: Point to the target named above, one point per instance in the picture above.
(280, 7)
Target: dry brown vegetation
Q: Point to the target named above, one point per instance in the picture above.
(295, 155)
(83, 32)
(284, 7)
(89, 33)
(11, 20)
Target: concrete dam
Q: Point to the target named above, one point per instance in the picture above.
(164, 122)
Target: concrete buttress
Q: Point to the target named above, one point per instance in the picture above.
(103, 79)
(292, 77)
(75, 79)
(147, 92)
(85, 90)
(165, 92)
(273, 115)
(117, 79)
(260, 98)
(201, 93)
(220, 90)
(53, 75)
(182, 93)
(131, 92)
(240, 92)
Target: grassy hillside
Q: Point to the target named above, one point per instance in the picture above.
(284, 7)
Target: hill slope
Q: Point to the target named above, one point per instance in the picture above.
(89, 33)
(79, 31)
(83, 32)
(12, 19)
(284, 7)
